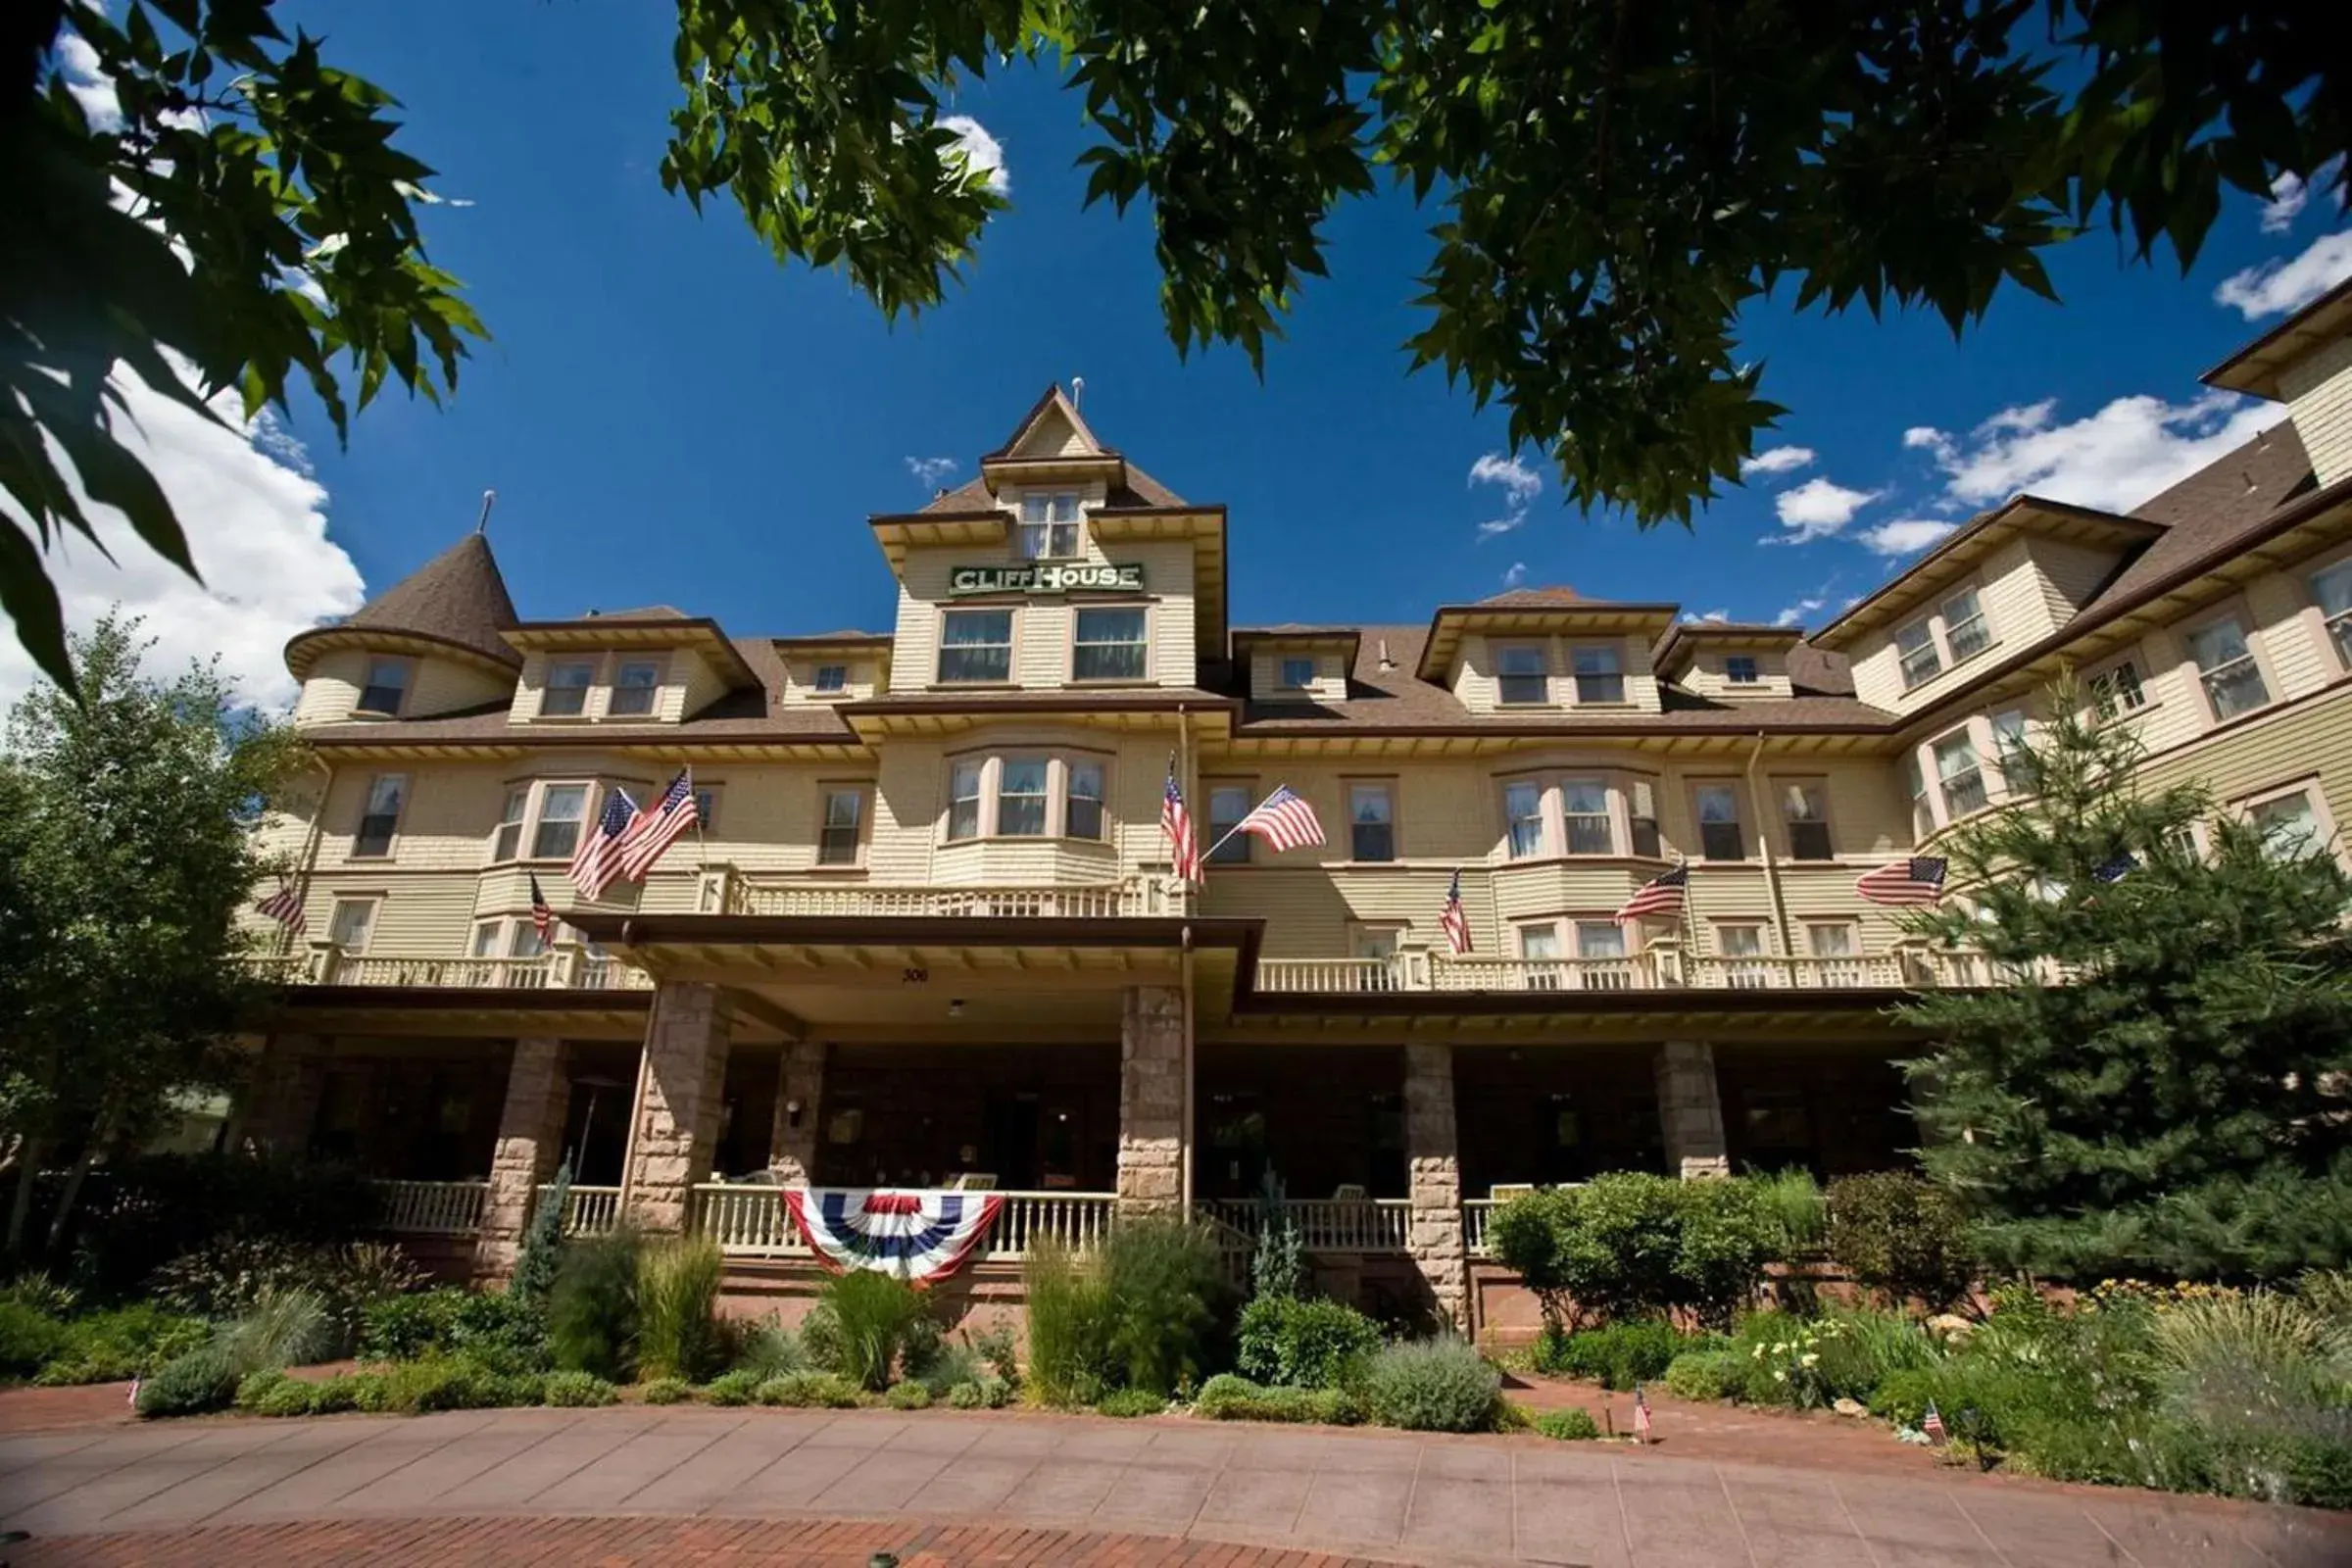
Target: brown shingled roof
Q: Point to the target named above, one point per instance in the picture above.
(2210, 512)
(1558, 594)
(456, 598)
(1140, 490)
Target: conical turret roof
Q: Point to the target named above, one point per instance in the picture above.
(457, 599)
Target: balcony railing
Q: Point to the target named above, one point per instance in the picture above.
(750, 1221)
(567, 967)
(1663, 966)
(1133, 898)
(587, 1210)
(432, 1209)
(1326, 1225)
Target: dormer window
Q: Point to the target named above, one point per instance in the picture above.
(1916, 645)
(1049, 527)
(1963, 626)
(1520, 674)
(1599, 678)
(1297, 675)
(831, 679)
(635, 685)
(387, 686)
(1741, 669)
(566, 694)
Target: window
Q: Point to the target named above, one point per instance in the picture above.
(1641, 810)
(1923, 810)
(1964, 630)
(566, 694)
(1085, 807)
(525, 942)
(1739, 941)
(975, 645)
(706, 812)
(1371, 823)
(1741, 669)
(2117, 690)
(635, 685)
(1049, 527)
(832, 678)
(2232, 681)
(2332, 590)
(2010, 748)
(1523, 812)
(1830, 941)
(963, 801)
(519, 938)
(507, 840)
(1110, 646)
(1585, 814)
(1599, 678)
(485, 938)
(1805, 808)
(1297, 675)
(1719, 835)
(387, 686)
(561, 809)
(1914, 645)
(837, 840)
(1520, 674)
(1375, 942)
(1541, 944)
(1599, 941)
(2289, 827)
(1228, 804)
(352, 922)
(1962, 779)
(385, 794)
(1021, 798)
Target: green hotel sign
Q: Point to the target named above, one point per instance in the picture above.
(1046, 577)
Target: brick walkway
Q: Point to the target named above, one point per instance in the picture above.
(681, 1486)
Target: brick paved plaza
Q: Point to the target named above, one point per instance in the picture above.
(640, 1486)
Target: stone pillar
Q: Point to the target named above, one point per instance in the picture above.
(1152, 1130)
(674, 1120)
(1431, 1147)
(531, 1134)
(1690, 1112)
(280, 1099)
(800, 1081)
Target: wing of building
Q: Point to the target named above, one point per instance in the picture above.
(927, 928)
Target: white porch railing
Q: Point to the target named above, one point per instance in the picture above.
(1328, 976)
(1135, 897)
(587, 1210)
(747, 1221)
(567, 967)
(1662, 966)
(1857, 972)
(751, 1221)
(1476, 1211)
(1634, 972)
(432, 1209)
(1329, 1224)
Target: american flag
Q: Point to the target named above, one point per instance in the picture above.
(1454, 922)
(1918, 880)
(2117, 869)
(595, 863)
(1640, 1415)
(656, 827)
(1282, 819)
(285, 906)
(1931, 1423)
(542, 916)
(1660, 895)
(1184, 848)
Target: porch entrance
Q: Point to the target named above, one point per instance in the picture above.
(1323, 1118)
(1037, 1118)
(1553, 1113)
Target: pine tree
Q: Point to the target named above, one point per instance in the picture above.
(2156, 1079)
(542, 1250)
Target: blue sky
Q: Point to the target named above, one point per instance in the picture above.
(669, 415)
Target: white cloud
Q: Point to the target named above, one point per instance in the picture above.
(2290, 194)
(1502, 524)
(1519, 481)
(1905, 535)
(1516, 575)
(77, 65)
(1816, 509)
(2275, 287)
(932, 472)
(2113, 460)
(980, 150)
(1705, 617)
(1795, 614)
(1776, 460)
(257, 526)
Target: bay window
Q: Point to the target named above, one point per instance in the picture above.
(975, 647)
(1599, 675)
(963, 801)
(1585, 816)
(2331, 590)
(1109, 645)
(1021, 798)
(2227, 669)
(1957, 771)
(1539, 944)
(1083, 812)
(507, 840)
(1028, 795)
(562, 808)
(1923, 809)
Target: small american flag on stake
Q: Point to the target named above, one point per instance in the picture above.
(285, 906)
(1932, 1423)
(657, 826)
(1184, 848)
(1660, 895)
(595, 863)
(1640, 1415)
(542, 917)
(1284, 820)
(1918, 880)
(2117, 867)
(1454, 922)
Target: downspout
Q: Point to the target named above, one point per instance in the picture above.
(1184, 1139)
(1772, 874)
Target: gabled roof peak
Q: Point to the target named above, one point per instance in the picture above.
(1052, 428)
(457, 598)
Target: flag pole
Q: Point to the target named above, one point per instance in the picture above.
(1236, 827)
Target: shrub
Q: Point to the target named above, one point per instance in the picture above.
(739, 1387)
(125, 1342)
(946, 1367)
(280, 1329)
(438, 1383)
(863, 1322)
(157, 1208)
(1568, 1426)
(1278, 1262)
(1617, 1357)
(802, 1390)
(1438, 1384)
(1785, 1359)
(1632, 1245)
(1303, 1344)
(2262, 1364)
(1898, 1234)
(541, 1257)
(1166, 1284)
(1868, 1346)
(994, 1393)
(1127, 1403)
(1701, 1375)
(1902, 1396)
(592, 1314)
(572, 1391)
(291, 1396)
(29, 1338)
(966, 1396)
(229, 1277)
(907, 1397)
(43, 1293)
(333, 1396)
(495, 1329)
(666, 1391)
(678, 1297)
(1793, 1205)
(768, 1349)
(2328, 1293)
(997, 1346)
(202, 1380)
(1071, 1318)
(254, 1387)
(1227, 1398)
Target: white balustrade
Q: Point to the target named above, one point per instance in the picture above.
(1476, 1211)
(432, 1209)
(749, 1220)
(1329, 976)
(326, 963)
(1135, 897)
(1076, 1222)
(1329, 1224)
(1634, 973)
(587, 1210)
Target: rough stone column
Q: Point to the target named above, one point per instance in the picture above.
(530, 1131)
(800, 1080)
(280, 1100)
(1431, 1146)
(674, 1122)
(1151, 1099)
(1690, 1110)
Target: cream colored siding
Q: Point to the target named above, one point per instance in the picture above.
(2021, 605)
(1330, 684)
(2319, 397)
(2308, 738)
(2070, 574)
(332, 690)
(1707, 675)
(1478, 685)
(859, 678)
(1042, 626)
(2289, 637)
(690, 684)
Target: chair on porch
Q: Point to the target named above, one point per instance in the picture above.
(973, 1180)
(1350, 1193)
(1505, 1192)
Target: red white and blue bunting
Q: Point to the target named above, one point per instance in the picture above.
(917, 1235)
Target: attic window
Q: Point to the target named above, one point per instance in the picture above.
(1049, 529)
(1297, 675)
(635, 686)
(566, 694)
(831, 678)
(1741, 669)
(387, 686)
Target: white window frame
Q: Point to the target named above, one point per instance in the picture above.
(1742, 669)
(1607, 815)
(987, 770)
(2324, 838)
(2335, 628)
(622, 665)
(1296, 673)
(820, 686)
(2119, 689)
(1963, 736)
(949, 618)
(405, 689)
(1925, 626)
(1739, 819)
(861, 792)
(1055, 531)
(371, 903)
(1924, 804)
(399, 811)
(1755, 931)
(1042, 794)
(1512, 819)
(548, 708)
(539, 823)
(1068, 767)
(1235, 850)
(1953, 625)
(513, 813)
(1613, 655)
(1383, 790)
(1505, 677)
(2248, 661)
(977, 769)
(1141, 643)
(1814, 789)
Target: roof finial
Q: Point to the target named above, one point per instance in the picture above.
(489, 500)
(1077, 389)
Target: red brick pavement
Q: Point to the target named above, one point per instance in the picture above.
(627, 1543)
